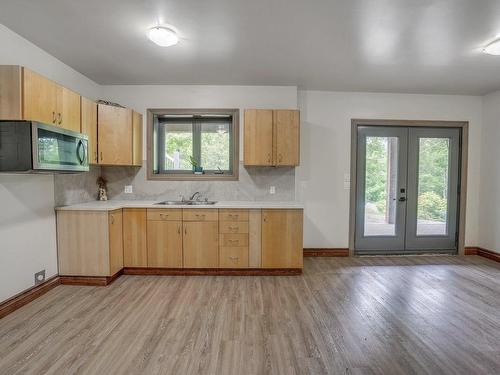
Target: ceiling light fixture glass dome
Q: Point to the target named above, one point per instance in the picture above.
(163, 36)
(493, 48)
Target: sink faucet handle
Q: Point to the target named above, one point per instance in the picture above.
(182, 197)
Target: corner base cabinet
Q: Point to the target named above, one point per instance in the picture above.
(180, 241)
(89, 243)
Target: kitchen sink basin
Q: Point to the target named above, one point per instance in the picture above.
(187, 203)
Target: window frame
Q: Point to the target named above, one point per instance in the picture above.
(185, 175)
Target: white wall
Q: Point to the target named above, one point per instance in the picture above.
(325, 153)
(27, 220)
(489, 230)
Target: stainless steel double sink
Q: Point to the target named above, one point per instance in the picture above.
(187, 203)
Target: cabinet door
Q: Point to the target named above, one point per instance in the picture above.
(282, 238)
(39, 98)
(89, 126)
(115, 242)
(137, 138)
(165, 243)
(68, 109)
(286, 137)
(201, 244)
(258, 137)
(114, 134)
(134, 237)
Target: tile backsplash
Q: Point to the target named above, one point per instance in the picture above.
(253, 185)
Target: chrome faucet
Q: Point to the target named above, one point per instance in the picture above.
(194, 195)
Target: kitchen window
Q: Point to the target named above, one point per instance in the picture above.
(193, 144)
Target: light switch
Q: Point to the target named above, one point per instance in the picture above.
(129, 189)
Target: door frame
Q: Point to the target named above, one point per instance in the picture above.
(463, 125)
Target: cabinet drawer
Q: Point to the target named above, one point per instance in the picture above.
(233, 215)
(234, 240)
(233, 257)
(164, 214)
(200, 215)
(233, 227)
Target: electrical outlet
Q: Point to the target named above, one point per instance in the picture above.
(39, 277)
(272, 190)
(129, 189)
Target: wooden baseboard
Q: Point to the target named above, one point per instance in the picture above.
(483, 253)
(471, 250)
(212, 271)
(327, 252)
(90, 280)
(27, 296)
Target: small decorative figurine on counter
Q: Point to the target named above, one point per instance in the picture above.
(103, 194)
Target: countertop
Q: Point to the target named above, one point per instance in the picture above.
(115, 205)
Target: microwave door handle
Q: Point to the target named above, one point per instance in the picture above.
(80, 159)
(84, 152)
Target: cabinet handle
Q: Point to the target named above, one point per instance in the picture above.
(235, 216)
(163, 215)
(179, 229)
(268, 158)
(234, 258)
(185, 230)
(112, 218)
(60, 118)
(200, 215)
(101, 155)
(95, 156)
(53, 117)
(234, 242)
(233, 229)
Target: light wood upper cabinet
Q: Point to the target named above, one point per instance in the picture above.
(136, 138)
(39, 98)
(68, 109)
(282, 244)
(89, 126)
(258, 137)
(271, 137)
(114, 135)
(165, 243)
(134, 237)
(26, 95)
(201, 244)
(89, 243)
(286, 137)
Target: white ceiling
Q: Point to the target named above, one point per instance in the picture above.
(419, 46)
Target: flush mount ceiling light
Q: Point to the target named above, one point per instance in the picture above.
(163, 36)
(493, 48)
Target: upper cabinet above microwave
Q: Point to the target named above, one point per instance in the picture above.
(26, 95)
(271, 137)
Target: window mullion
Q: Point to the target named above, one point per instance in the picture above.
(197, 140)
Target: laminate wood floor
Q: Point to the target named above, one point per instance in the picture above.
(376, 315)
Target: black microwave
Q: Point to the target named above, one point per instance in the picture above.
(33, 147)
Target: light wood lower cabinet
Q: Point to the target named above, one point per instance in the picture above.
(282, 238)
(201, 244)
(98, 243)
(89, 243)
(165, 243)
(134, 237)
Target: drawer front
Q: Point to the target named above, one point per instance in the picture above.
(233, 257)
(234, 240)
(233, 227)
(164, 214)
(200, 215)
(233, 215)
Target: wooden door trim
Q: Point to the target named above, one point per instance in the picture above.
(463, 125)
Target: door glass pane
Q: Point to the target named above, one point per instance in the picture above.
(433, 174)
(381, 186)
